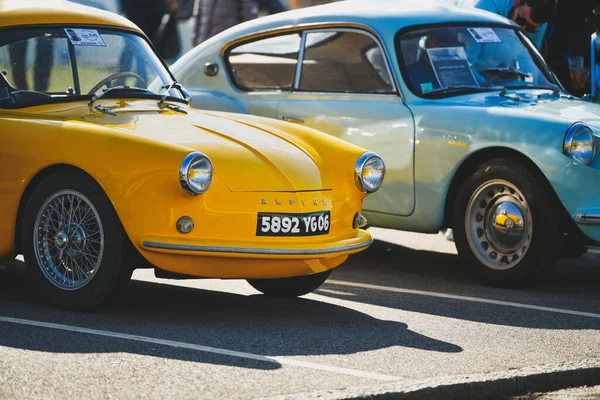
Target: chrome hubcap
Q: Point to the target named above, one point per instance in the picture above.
(61, 240)
(498, 224)
(68, 240)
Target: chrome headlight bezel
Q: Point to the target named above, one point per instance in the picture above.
(192, 161)
(362, 183)
(580, 143)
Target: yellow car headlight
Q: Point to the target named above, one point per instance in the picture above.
(369, 172)
(196, 173)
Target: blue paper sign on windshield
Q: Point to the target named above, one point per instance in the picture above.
(84, 37)
(451, 67)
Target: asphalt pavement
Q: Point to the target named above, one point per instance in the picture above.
(402, 315)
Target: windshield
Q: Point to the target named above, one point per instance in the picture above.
(443, 59)
(56, 64)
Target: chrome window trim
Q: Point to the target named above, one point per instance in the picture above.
(300, 29)
(253, 250)
(299, 61)
(392, 77)
(253, 38)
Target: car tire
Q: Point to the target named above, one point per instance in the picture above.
(505, 224)
(75, 248)
(289, 287)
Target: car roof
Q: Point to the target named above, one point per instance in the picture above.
(57, 12)
(380, 15)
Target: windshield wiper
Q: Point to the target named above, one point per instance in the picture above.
(114, 89)
(506, 72)
(121, 88)
(162, 104)
(556, 90)
(463, 90)
(178, 86)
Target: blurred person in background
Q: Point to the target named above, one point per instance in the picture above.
(146, 14)
(531, 15)
(215, 16)
(42, 64)
(158, 19)
(568, 37)
(186, 11)
(271, 6)
(108, 5)
(307, 3)
(167, 36)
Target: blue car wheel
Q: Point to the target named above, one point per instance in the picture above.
(505, 226)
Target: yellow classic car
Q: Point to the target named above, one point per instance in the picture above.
(104, 168)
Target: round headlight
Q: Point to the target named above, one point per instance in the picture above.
(196, 173)
(369, 172)
(580, 144)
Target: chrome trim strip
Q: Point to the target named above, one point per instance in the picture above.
(300, 61)
(250, 250)
(589, 218)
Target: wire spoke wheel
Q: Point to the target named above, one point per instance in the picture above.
(498, 224)
(68, 240)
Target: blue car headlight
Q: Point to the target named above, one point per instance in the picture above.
(580, 143)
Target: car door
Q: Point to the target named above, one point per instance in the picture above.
(344, 87)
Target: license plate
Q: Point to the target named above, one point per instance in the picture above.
(282, 224)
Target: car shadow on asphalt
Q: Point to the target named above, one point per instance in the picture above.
(253, 324)
(574, 284)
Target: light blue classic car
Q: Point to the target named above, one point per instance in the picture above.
(475, 130)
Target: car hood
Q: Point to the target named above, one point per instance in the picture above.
(542, 104)
(245, 158)
(565, 108)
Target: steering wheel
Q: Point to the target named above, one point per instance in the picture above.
(112, 77)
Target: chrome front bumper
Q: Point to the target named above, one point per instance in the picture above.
(250, 250)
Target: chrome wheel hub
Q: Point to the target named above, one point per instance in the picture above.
(61, 240)
(498, 224)
(68, 240)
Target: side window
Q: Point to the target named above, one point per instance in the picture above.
(265, 64)
(41, 64)
(343, 61)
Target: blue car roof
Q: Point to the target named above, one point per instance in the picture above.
(380, 15)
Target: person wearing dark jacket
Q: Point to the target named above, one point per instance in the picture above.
(146, 14)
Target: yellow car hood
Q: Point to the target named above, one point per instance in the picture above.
(245, 158)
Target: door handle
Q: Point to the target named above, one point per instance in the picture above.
(292, 119)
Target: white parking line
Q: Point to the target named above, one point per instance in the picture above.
(464, 298)
(206, 349)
